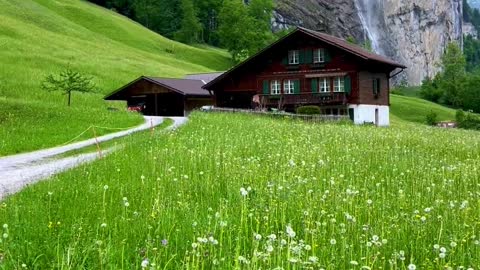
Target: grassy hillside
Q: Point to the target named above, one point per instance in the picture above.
(415, 109)
(39, 37)
(225, 193)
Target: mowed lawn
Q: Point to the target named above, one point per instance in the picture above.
(243, 192)
(41, 37)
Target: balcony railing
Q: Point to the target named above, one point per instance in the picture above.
(304, 99)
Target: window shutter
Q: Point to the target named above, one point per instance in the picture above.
(328, 56)
(301, 57)
(308, 56)
(348, 85)
(296, 86)
(266, 87)
(375, 92)
(314, 84)
(378, 87)
(285, 60)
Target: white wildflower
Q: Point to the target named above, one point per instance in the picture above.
(290, 232)
(412, 266)
(145, 263)
(243, 192)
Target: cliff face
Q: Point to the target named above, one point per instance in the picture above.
(413, 32)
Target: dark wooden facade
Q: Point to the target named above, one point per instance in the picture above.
(365, 76)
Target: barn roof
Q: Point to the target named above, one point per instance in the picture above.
(331, 40)
(186, 87)
(206, 77)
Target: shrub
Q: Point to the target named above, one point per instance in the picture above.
(467, 120)
(309, 110)
(431, 118)
(397, 92)
(430, 91)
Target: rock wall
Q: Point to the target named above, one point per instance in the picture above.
(413, 32)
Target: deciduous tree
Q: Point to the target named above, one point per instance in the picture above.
(69, 81)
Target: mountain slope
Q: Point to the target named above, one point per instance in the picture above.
(40, 37)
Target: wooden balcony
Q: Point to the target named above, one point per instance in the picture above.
(319, 99)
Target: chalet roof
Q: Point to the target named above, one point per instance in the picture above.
(334, 41)
(206, 77)
(186, 87)
(352, 48)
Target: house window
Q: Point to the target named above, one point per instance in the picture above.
(289, 87)
(275, 88)
(293, 57)
(319, 56)
(339, 84)
(324, 84)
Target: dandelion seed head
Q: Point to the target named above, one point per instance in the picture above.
(290, 232)
(412, 266)
(145, 263)
(243, 192)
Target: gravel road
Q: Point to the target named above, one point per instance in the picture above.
(20, 170)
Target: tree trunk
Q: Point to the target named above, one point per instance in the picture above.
(69, 97)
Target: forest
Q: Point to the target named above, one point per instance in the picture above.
(241, 27)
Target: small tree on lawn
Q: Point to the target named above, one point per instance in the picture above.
(69, 81)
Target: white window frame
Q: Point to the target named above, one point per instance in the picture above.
(294, 57)
(319, 56)
(289, 87)
(339, 84)
(324, 85)
(275, 87)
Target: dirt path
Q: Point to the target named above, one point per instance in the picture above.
(20, 170)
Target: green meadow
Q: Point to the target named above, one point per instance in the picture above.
(243, 192)
(40, 37)
(413, 109)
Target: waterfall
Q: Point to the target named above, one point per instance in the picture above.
(371, 16)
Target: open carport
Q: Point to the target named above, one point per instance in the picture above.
(163, 96)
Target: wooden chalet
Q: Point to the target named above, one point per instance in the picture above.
(166, 96)
(311, 68)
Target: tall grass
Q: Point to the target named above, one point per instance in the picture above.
(241, 192)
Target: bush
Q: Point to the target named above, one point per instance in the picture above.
(397, 92)
(467, 120)
(431, 118)
(430, 91)
(308, 110)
